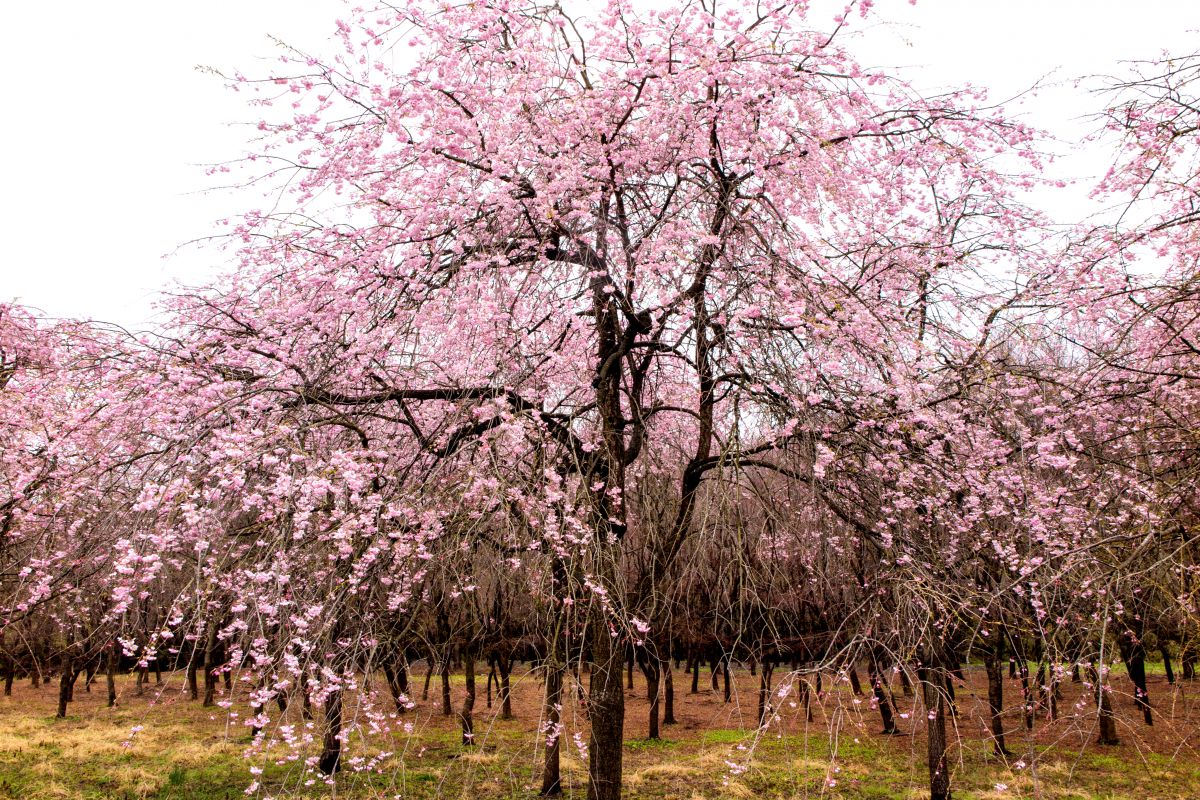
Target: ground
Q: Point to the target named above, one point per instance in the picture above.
(186, 751)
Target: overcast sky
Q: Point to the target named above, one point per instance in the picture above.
(107, 123)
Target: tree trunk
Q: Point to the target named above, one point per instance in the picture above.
(882, 697)
(465, 715)
(193, 685)
(652, 672)
(74, 669)
(551, 772)
(855, 683)
(606, 698)
(397, 681)
(1108, 723)
(257, 709)
(580, 694)
(1028, 701)
(1165, 651)
(1133, 653)
(330, 760)
(504, 664)
(1187, 660)
(1052, 691)
(447, 706)
(65, 684)
(606, 709)
(428, 678)
(668, 694)
(210, 664)
(993, 657)
(806, 695)
(402, 683)
(306, 706)
(933, 686)
(764, 693)
(110, 672)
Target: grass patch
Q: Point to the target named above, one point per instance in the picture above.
(187, 752)
(723, 737)
(641, 745)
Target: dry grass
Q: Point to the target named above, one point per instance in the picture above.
(185, 751)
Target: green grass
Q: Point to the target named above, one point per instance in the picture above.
(723, 737)
(642, 745)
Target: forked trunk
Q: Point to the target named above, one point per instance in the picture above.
(883, 699)
(428, 677)
(806, 696)
(397, 680)
(66, 684)
(764, 693)
(1133, 653)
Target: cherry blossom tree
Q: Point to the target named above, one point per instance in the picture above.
(616, 247)
(716, 341)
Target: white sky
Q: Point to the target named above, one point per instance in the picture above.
(106, 120)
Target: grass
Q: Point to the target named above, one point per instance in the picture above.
(643, 745)
(187, 752)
